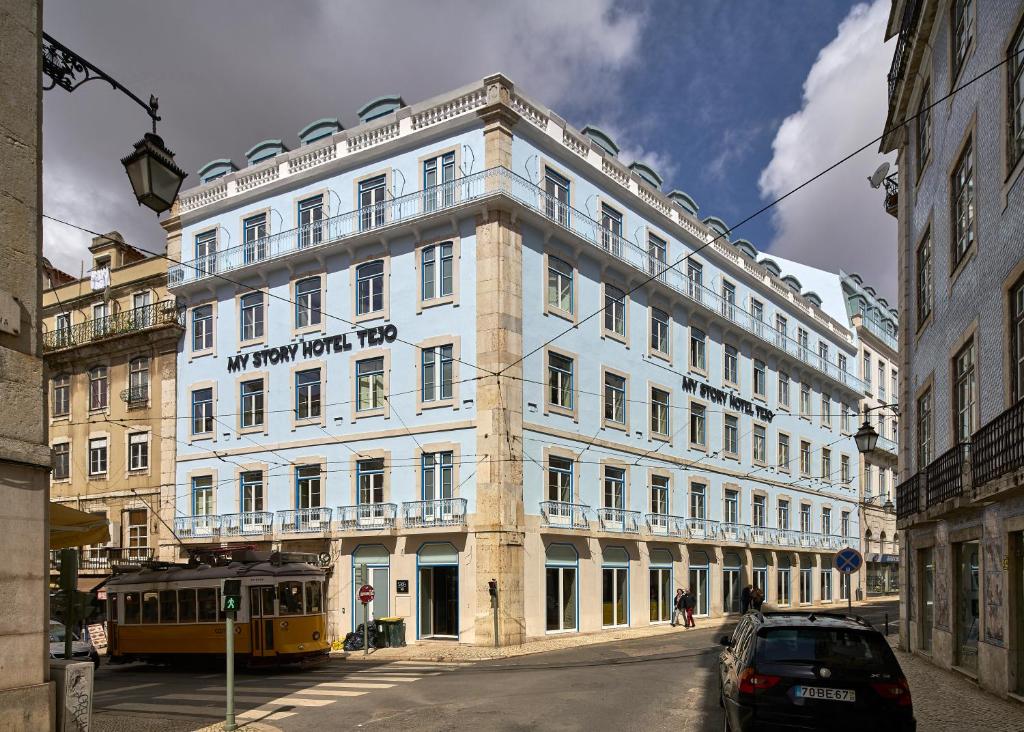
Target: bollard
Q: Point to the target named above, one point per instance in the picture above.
(887, 624)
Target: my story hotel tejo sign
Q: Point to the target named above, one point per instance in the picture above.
(389, 333)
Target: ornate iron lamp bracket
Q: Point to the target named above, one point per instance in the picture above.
(66, 69)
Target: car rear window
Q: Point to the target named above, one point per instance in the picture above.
(837, 646)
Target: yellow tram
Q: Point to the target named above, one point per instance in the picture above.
(166, 612)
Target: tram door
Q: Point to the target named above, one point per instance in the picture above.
(261, 620)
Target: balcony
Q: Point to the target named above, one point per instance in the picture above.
(103, 560)
(733, 532)
(762, 535)
(701, 529)
(315, 520)
(197, 527)
(251, 523)
(560, 514)
(495, 182)
(135, 397)
(663, 524)
(945, 475)
(126, 322)
(892, 199)
(908, 496)
(878, 331)
(998, 447)
(367, 517)
(886, 445)
(617, 519)
(908, 25)
(440, 512)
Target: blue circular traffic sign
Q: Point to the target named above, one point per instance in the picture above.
(848, 560)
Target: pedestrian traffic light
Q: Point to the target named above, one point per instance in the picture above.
(230, 594)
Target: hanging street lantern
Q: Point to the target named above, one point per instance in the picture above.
(153, 174)
(866, 438)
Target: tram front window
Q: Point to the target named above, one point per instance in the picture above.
(186, 606)
(150, 607)
(314, 593)
(289, 595)
(168, 606)
(207, 604)
(131, 607)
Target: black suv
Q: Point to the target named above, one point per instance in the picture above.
(811, 671)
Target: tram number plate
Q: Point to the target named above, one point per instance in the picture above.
(819, 692)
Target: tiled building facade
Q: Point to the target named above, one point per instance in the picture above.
(961, 254)
(446, 346)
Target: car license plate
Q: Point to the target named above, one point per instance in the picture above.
(820, 692)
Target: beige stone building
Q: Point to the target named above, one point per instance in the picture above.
(109, 343)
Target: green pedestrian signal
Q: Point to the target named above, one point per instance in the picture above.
(230, 595)
(230, 603)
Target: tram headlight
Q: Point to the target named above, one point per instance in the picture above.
(316, 635)
(284, 625)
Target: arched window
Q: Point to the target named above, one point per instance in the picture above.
(98, 387)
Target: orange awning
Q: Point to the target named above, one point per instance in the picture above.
(70, 528)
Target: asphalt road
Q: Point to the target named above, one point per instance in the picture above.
(662, 682)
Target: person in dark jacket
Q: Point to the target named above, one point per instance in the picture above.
(757, 598)
(745, 598)
(678, 610)
(689, 603)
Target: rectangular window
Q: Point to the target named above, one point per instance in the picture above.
(826, 410)
(698, 425)
(251, 393)
(438, 174)
(611, 229)
(307, 302)
(805, 457)
(731, 513)
(924, 128)
(657, 255)
(560, 386)
(731, 436)
(252, 316)
(844, 523)
(805, 518)
(893, 383)
(138, 451)
(614, 492)
(254, 238)
(823, 355)
(962, 31)
(866, 371)
(202, 411)
(784, 389)
(61, 395)
(698, 350)
(560, 285)
(757, 313)
(803, 339)
(251, 488)
(783, 449)
(659, 495)
(370, 480)
(437, 373)
(614, 310)
(728, 300)
(660, 412)
(437, 476)
(698, 507)
(1017, 339)
(202, 495)
(437, 263)
(805, 400)
(98, 456)
(783, 515)
(826, 584)
(138, 529)
(869, 481)
(924, 279)
(370, 384)
(62, 461)
(924, 430)
(695, 280)
(556, 199)
(964, 392)
(202, 328)
(841, 362)
(206, 252)
(782, 329)
(760, 511)
(307, 486)
(311, 221)
(881, 380)
(826, 520)
(560, 479)
(615, 398)
(371, 202)
(98, 387)
(826, 464)
(307, 394)
(731, 364)
(844, 468)
(659, 331)
(1015, 99)
(760, 444)
(370, 287)
(760, 378)
(962, 204)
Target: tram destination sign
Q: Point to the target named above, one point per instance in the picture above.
(726, 398)
(313, 348)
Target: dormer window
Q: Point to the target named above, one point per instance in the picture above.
(101, 263)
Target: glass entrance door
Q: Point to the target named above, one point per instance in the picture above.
(439, 602)
(661, 595)
(967, 577)
(699, 586)
(783, 588)
(561, 598)
(927, 562)
(613, 596)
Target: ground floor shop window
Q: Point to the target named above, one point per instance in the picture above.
(731, 588)
(561, 590)
(761, 575)
(806, 582)
(371, 566)
(615, 588)
(926, 561)
(883, 578)
(826, 585)
(844, 587)
(699, 584)
(783, 583)
(967, 578)
(661, 595)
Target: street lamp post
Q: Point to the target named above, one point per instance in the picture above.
(151, 169)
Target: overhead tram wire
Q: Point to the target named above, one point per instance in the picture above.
(768, 206)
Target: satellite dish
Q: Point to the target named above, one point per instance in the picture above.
(876, 178)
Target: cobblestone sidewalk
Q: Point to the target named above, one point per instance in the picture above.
(945, 700)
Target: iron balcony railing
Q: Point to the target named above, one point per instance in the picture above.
(763, 535)
(998, 447)
(946, 475)
(617, 519)
(105, 558)
(125, 322)
(729, 531)
(315, 520)
(911, 12)
(367, 516)
(477, 186)
(665, 524)
(249, 523)
(561, 514)
(879, 331)
(438, 512)
(197, 527)
(135, 396)
(705, 529)
(908, 495)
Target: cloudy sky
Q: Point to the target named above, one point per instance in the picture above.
(733, 101)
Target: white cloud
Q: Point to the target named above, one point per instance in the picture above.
(735, 144)
(838, 221)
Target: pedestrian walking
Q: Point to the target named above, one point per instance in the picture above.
(757, 598)
(745, 598)
(678, 609)
(689, 603)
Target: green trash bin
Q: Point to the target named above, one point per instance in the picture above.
(393, 631)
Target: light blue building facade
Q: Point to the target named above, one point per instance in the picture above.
(447, 345)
